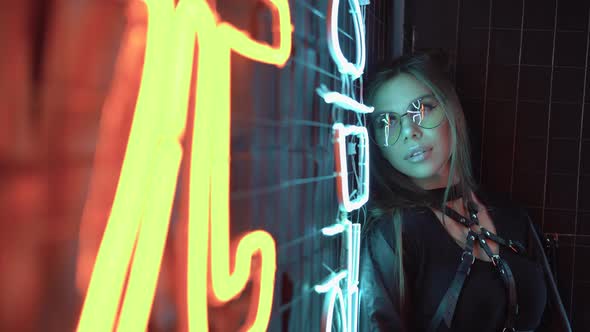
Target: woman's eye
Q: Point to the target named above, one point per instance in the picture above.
(428, 107)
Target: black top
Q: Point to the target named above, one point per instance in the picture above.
(431, 259)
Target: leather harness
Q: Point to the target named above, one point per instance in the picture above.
(446, 308)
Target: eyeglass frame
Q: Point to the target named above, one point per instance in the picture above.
(415, 113)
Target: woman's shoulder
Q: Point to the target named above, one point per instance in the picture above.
(414, 221)
(377, 226)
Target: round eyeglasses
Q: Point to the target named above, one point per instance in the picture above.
(387, 126)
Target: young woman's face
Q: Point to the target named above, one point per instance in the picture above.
(418, 152)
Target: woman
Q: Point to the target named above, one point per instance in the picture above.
(437, 253)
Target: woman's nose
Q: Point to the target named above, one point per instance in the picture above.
(410, 128)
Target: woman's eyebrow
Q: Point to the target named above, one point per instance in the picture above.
(411, 104)
(390, 110)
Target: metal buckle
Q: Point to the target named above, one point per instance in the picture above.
(469, 253)
(512, 329)
(495, 259)
(513, 247)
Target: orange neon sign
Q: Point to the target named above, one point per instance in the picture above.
(134, 238)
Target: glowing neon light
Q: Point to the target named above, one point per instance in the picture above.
(344, 66)
(349, 300)
(343, 101)
(334, 292)
(329, 306)
(143, 201)
(116, 249)
(333, 230)
(349, 307)
(129, 60)
(332, 282)
(340, 133)
(353, 257)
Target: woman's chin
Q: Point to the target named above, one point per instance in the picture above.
(422, 172)
(428, 175)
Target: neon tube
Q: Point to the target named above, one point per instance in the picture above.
(333, 229)
(352, 291)
(343, 101)
(349, 300)
(340, 133)
(141, 209)
(344, 66)
(330, 283)
(99, 310)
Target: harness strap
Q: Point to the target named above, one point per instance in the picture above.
(508, 278)
(446, 308)
(459, 218)
(516, 246)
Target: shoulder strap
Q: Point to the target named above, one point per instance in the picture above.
(552, 287)
(446, 308)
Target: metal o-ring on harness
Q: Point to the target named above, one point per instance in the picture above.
(470, 254)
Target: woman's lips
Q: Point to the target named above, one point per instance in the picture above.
(419, 154)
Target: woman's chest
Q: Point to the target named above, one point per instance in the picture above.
(483, 300)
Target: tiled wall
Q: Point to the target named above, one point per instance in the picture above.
(522, 72)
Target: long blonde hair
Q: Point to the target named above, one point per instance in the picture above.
(393, 191)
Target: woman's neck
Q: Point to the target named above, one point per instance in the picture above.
(453, 197)
(457, 205)
(438, 180)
